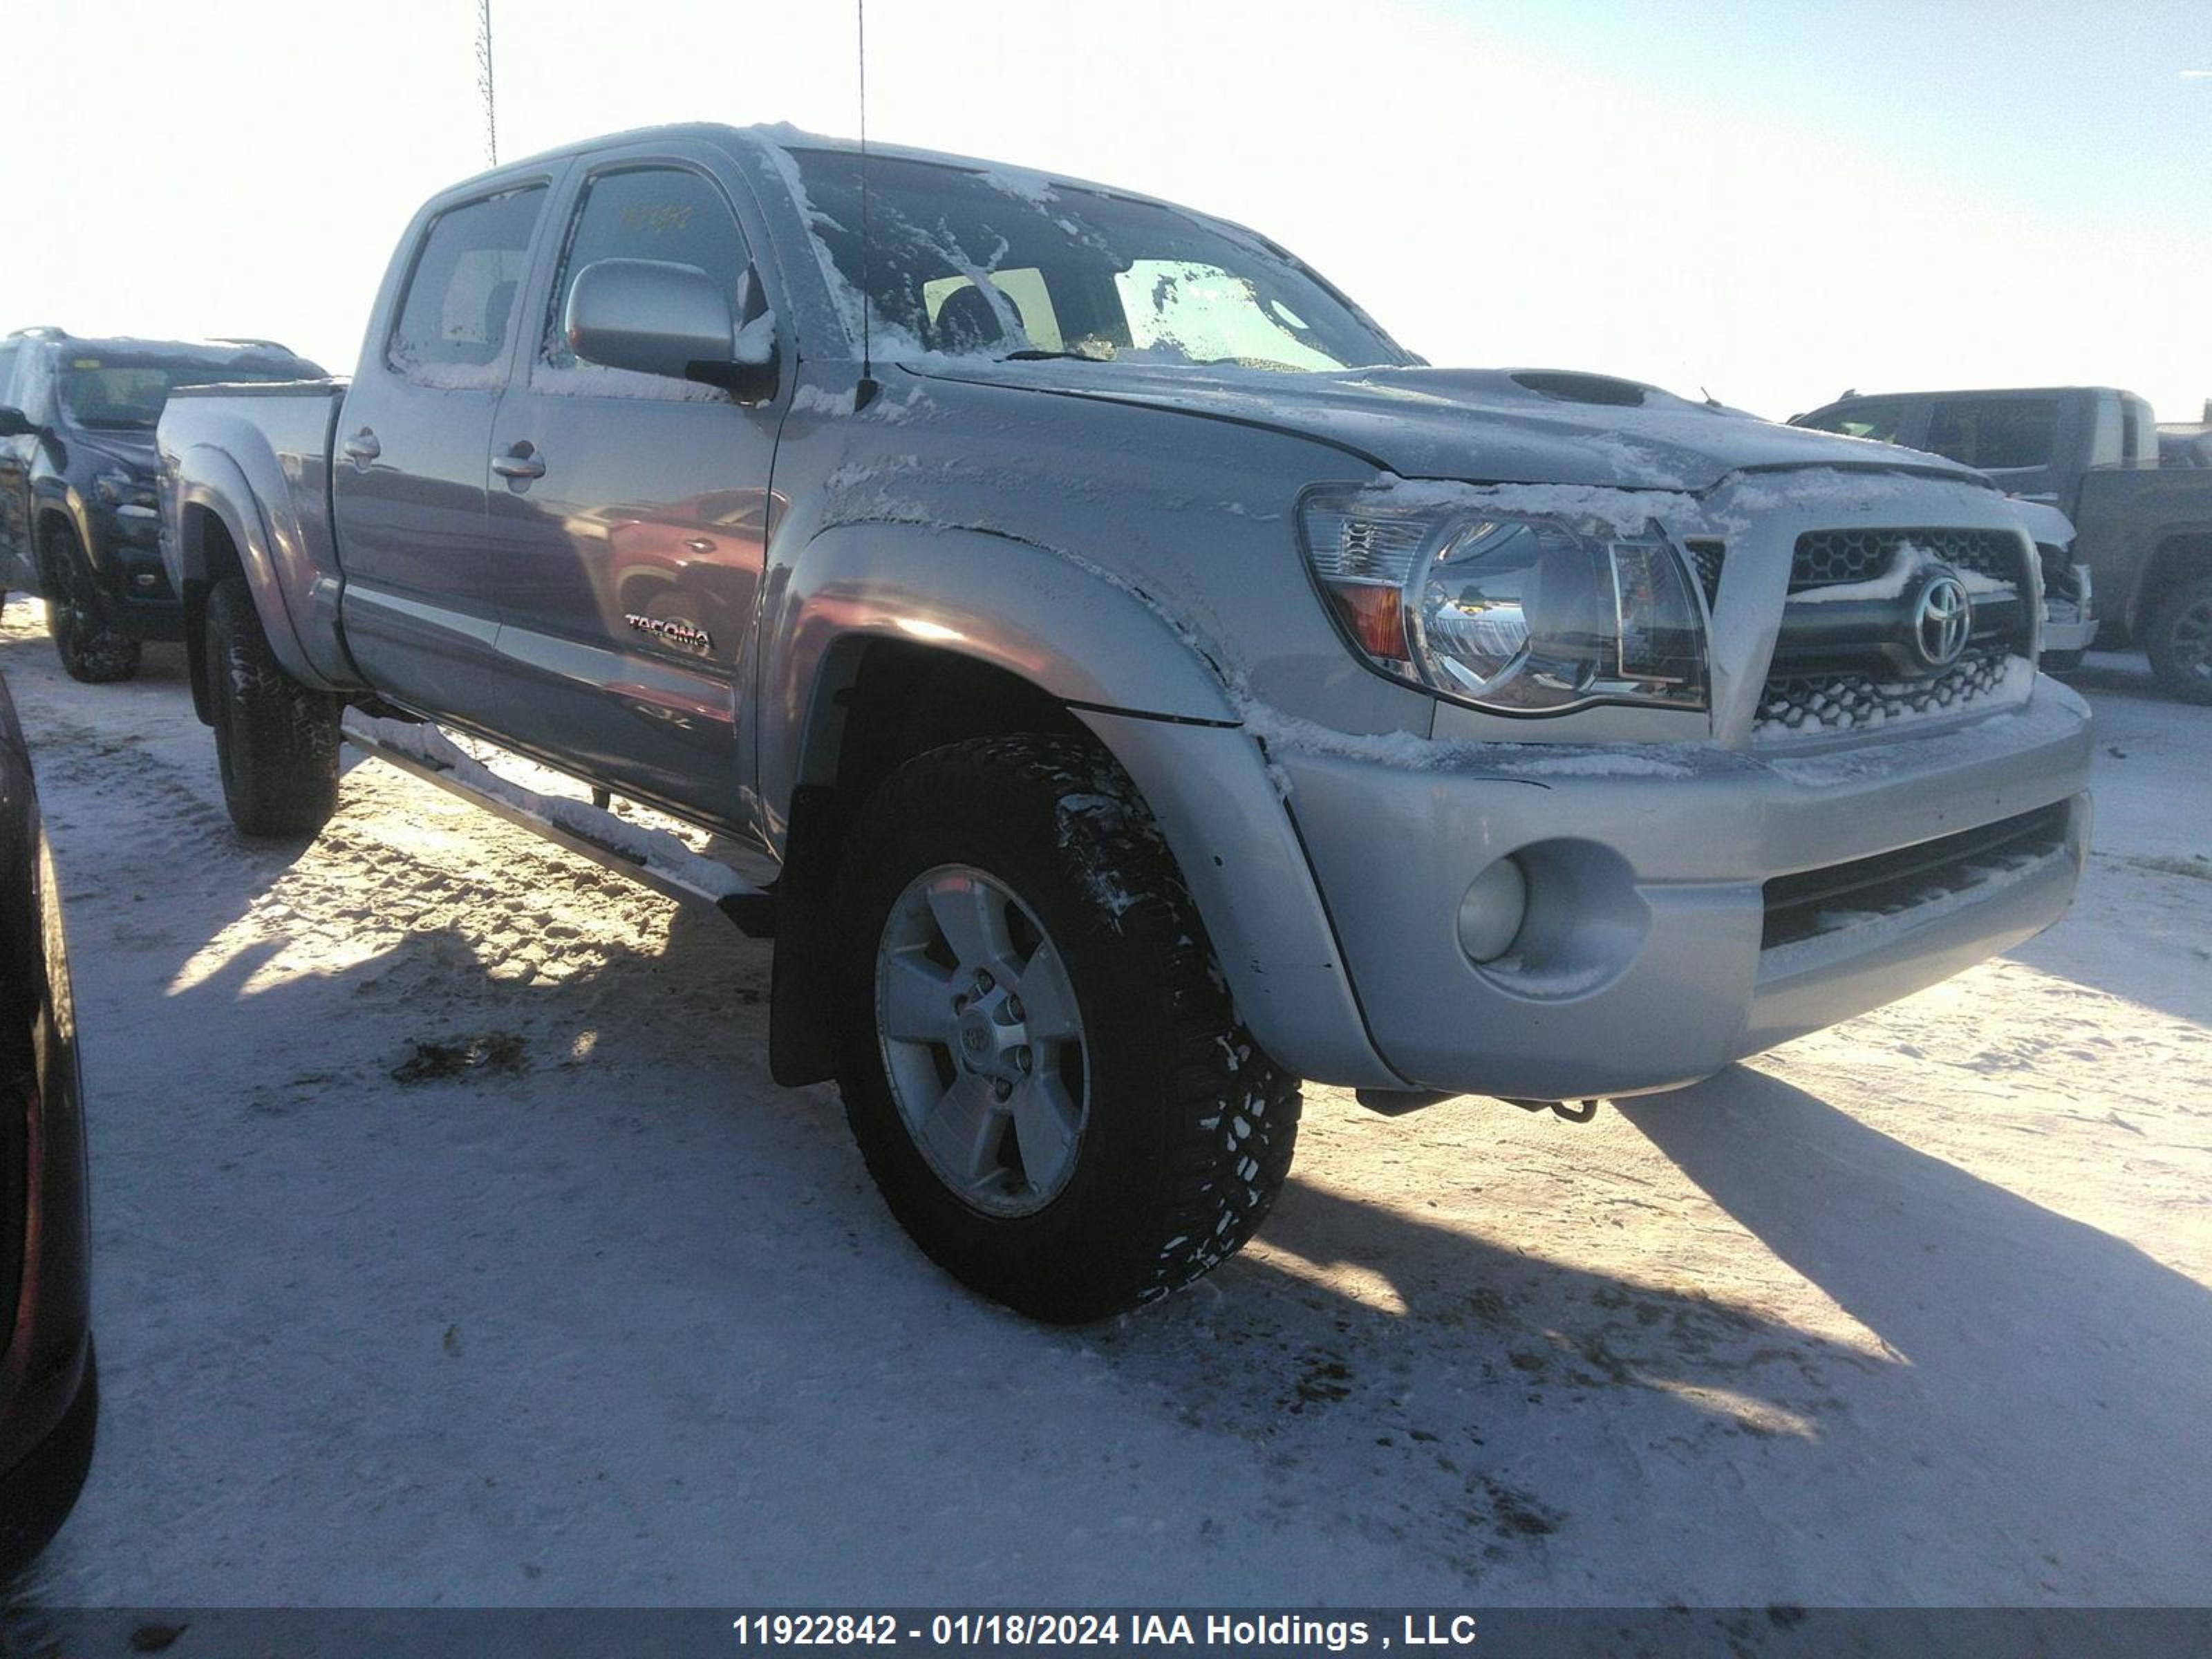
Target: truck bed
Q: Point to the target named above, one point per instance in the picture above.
(268, 445)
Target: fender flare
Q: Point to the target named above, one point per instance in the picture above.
(2157, 567)
(1075, 631)
(53, 497)
(1141, 680)
(208, 479)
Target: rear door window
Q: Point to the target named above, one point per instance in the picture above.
(453, 322)
(1994, 433)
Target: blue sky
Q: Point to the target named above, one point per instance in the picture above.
(1771, 200)
(2077, 108)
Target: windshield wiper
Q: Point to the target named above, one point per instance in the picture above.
(1034, 354)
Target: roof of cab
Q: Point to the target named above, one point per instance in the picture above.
(782, 135)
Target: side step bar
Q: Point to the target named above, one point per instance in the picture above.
(652, 858)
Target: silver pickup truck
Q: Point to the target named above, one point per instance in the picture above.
(1128, 681)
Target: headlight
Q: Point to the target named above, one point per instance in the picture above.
(120, 488)
(1519, 613)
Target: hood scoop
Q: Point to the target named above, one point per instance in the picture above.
(1570, 388)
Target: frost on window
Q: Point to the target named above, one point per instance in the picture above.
(452, 331)
(666, 214)
(946, 259)
(1208, 315)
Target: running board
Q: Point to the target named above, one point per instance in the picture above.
(652, 858)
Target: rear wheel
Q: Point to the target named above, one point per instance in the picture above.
(2179, 640)
(1038, 1057)
(91, 647)
(276, 741)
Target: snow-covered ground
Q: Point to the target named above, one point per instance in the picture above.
(455, 1247)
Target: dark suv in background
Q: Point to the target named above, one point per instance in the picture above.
(79, 524)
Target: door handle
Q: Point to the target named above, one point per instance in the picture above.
(521, 463)
(361, 448)
(700, 544)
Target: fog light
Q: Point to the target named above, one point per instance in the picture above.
(1491, 914)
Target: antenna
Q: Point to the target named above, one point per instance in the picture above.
(864, 394)
(483, 80)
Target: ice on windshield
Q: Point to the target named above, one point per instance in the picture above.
(996, 264)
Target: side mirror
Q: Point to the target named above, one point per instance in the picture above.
(656, 317)
(14, 423)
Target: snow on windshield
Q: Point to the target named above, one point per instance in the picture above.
(999, 263)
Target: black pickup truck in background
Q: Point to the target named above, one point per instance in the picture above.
(2142, 528)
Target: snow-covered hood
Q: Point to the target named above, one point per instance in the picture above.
(1484, 426)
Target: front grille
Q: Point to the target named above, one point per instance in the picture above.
(1829, 558)
(1816, 902)
(1810, 703)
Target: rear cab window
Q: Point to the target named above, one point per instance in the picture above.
(455, 319)
(1996, 434)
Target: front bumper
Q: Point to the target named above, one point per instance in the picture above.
(1643, 963)
(2069, 621)
(140, 600)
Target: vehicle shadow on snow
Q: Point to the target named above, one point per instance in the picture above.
(1472, 1401)
(2024, 1365)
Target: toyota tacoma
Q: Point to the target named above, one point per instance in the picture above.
(1122, 679)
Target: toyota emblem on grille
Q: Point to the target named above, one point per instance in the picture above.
(1944, 620)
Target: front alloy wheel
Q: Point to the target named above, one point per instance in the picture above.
(91, 647)
(983, 1040)
(1039, 1057)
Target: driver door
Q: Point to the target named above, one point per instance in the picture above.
(628, 516)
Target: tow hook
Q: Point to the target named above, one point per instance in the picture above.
(1567, 1111)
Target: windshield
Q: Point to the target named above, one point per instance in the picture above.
(1004, 264)
(100, 394)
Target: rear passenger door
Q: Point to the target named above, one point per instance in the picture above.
(421, 601)
(630, 512)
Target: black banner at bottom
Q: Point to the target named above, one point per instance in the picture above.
(1772, 1632)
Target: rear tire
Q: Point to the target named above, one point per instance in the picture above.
(2179, 640)
(1177, 1131)
(276, 741)
(91, 647)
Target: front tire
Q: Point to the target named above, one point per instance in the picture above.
(1038, 1057)
(91, 647)
(2179, 640)
(276, 741)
